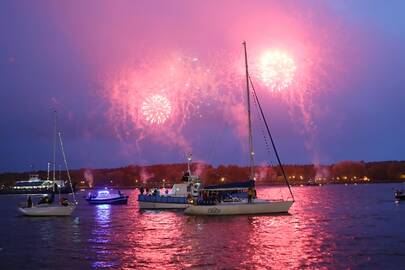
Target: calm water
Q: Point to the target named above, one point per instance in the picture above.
(329, 227)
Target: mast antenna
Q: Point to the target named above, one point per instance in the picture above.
(54, 146)
(189, 158)
(49, 167)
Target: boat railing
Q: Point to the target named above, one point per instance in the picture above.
(161, 199)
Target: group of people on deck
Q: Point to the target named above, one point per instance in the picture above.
(46, 200)
(213, 197)
(209, 197)
(152, 191)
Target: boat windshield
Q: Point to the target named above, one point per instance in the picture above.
(105, 193)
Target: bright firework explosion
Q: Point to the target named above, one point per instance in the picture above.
(156, 109)
(276, 70)
(182, 89)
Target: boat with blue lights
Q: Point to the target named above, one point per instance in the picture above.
(107, 196)
(179, 197)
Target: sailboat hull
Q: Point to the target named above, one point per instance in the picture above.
(240, 208)
(43, 211)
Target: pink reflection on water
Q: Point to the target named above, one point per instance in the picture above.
(156, 241)
(170, 240)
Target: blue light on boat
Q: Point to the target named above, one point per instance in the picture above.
(103, 192)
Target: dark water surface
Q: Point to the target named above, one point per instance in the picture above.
(329, 227)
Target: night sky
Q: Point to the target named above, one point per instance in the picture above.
(98, 62)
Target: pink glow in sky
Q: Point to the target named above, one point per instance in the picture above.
(140, 51)
(99, 61)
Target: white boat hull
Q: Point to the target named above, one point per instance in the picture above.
(157, 205)
(240, 208)
(43, 211)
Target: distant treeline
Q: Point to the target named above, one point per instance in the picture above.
(167, 174)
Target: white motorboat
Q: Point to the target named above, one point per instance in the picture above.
(179, 196)
(107, 196)
(48, 207)
(226, 199)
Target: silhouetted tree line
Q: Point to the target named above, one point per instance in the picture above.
(167, 174)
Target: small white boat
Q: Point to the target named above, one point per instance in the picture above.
(47, 210)
(180, 196)
(240, 208)
(107, 196)
(48, 207)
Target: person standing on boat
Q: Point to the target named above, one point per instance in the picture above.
(185, 176)
(29, 202)
(141, 190)
(250, 195)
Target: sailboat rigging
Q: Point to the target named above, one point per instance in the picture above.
(236, 206)
(271, 139)
(47, 207)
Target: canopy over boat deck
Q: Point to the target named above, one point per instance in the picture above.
(231, 186)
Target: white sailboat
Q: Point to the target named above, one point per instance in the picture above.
(43, 210)
(63, 207)
(240, 206)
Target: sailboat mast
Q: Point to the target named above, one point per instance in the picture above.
(251, 151)
(54, 146)
(189, 158)
(49, 167)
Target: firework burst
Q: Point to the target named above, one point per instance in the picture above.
(156, 109)
(276, 70)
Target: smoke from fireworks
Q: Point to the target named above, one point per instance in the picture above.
(196, 74)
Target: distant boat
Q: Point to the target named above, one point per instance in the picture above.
(399, 195)
(179, 197)
(36, 185)
(107, 196)
(222, 200)
(47, 207)
(312, 183)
